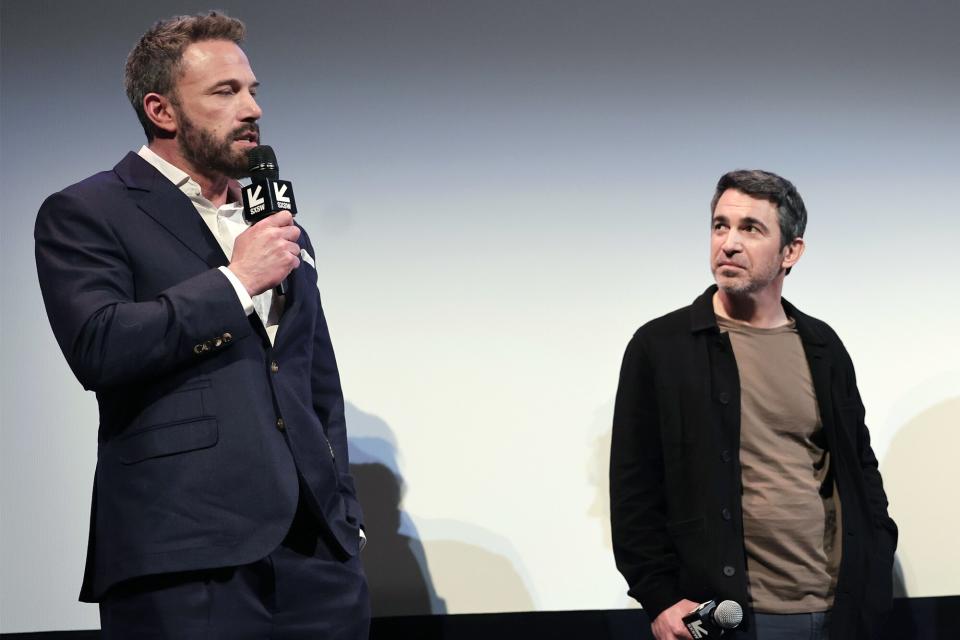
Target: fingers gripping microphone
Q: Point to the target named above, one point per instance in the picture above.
(712, 620)
(266, 194)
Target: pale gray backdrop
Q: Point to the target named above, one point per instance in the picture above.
(500, 193)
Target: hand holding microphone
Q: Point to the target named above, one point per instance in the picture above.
(712, 620)
(686, 620)
(266, 253)
(669, 624)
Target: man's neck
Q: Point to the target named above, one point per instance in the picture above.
(761, 309)
(213, 186)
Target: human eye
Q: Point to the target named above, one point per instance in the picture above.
(224, 89)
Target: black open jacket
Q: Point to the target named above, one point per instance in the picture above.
(675, 481)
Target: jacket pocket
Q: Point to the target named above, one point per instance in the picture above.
(168, 439)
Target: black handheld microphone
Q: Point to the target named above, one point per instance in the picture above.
(712, 620)
(266, 194)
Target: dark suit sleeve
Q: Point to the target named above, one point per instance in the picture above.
(329, 405)
(107, 336)
(643, 550)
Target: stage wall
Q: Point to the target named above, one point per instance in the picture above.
(500, 193)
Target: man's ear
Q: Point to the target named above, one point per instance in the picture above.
(792, 253)
(161, 112)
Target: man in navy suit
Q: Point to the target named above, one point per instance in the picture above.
(223, 505)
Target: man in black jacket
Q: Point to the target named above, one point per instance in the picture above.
(741, 467)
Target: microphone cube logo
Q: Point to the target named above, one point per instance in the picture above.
(283, 194)
(696, 630)
(264, 197)
(253, 202)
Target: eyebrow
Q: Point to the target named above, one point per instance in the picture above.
(232, 82)
(748, 220)
(754, 221)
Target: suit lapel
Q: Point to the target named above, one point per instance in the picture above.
(170, 208)
(160, 199)
(296, 281)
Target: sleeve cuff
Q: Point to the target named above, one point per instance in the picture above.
(241, 290)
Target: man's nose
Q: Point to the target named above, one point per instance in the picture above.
(251, 110)
(731, 243)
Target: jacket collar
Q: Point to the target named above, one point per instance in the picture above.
(702, 318)
(171, 208)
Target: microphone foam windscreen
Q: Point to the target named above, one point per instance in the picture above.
(728, 614)
(262, 160)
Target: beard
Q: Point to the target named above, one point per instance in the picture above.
(208, 154)
(738, 286)
(746, 281)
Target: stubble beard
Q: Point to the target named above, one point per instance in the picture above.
(208, 154)
(735, 287)
(747, 281)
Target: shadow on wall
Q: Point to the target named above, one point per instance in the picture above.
(475, 570)
(472, 576)
(920, 467)
(394, 560)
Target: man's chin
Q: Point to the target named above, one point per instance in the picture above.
(236, 166)
(732, 286)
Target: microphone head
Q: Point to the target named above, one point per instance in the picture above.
(728, 614)
(262, 161)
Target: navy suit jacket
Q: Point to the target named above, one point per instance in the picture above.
(208, 433)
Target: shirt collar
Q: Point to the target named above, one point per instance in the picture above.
(171, 172)
(182, 180)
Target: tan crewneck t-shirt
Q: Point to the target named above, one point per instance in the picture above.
(790, 519)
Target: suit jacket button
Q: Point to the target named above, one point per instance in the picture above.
(274, 367)
(725, 455)
(725, 513)
(724, 397)
(227, 337)
(729, 571)
(280, 424)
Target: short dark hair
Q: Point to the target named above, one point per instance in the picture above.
(791, 212)
(154, 63)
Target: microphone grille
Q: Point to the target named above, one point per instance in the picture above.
(728, 614)
(262, 160)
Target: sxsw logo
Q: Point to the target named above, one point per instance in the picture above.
(254, 200)
(263, 197)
